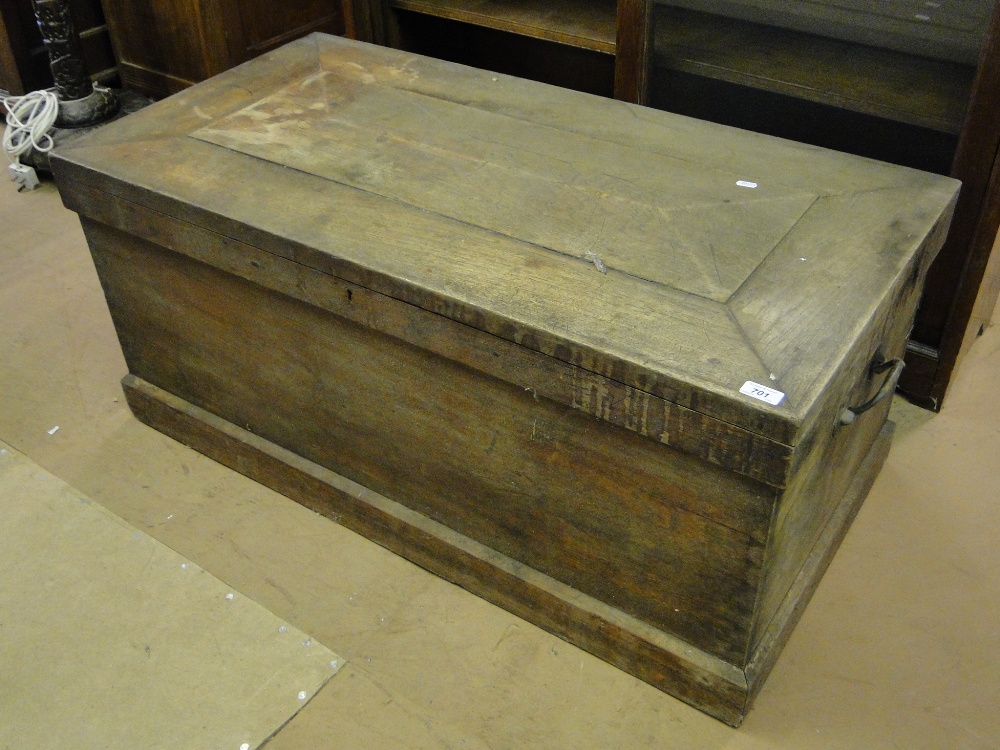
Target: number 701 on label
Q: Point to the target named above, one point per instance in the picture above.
(762, 392)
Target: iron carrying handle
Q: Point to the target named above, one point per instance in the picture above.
(848, 415)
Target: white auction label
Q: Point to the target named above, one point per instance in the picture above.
(762, 392)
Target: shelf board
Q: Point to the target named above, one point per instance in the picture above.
(588, 24)
(893, 85)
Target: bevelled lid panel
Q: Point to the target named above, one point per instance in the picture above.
(679, 257)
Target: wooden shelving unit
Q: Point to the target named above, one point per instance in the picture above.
(884, 83)
(592, 45)
(588, 24)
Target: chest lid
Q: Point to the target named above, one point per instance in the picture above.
(677, 257)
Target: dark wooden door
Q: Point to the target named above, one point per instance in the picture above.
(164, 46)
(960, 295)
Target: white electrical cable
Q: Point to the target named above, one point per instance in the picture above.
(29, 119)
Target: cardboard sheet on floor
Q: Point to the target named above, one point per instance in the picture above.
(109, 639)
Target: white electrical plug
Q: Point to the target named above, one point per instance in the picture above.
(29, 120)
(23, 176)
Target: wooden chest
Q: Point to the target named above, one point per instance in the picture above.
(588, 360)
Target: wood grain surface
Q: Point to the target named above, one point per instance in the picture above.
(583, 23)
(661, 535)
(664, 661)
(895, 85)
(165, 46)
(745, 452)
(659, 323)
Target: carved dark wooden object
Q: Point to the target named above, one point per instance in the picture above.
(80, 103)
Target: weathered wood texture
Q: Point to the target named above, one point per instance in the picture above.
(863, 96)
(650, 654)
(638, 411)
(770, 639)
(630, 644)
(524, 315)
(663, 536)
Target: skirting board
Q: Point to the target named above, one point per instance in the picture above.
(721, 689)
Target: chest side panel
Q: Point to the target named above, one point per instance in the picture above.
(658, 534)
(829, 456)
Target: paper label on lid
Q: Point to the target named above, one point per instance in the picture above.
(762, 392)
